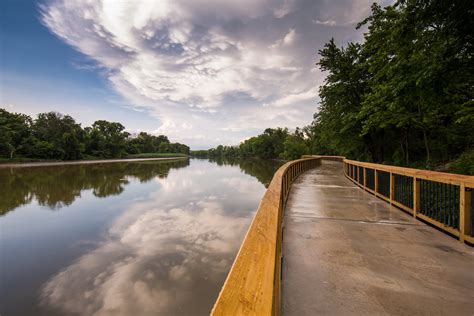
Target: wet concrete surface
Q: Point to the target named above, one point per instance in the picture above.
(346, 252)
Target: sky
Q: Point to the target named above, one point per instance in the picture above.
(202, 72)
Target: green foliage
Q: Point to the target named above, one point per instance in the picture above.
(199, 153)
(404, 95)
(273, 143)
(56, 136)
(146, 143)
(464, 164)
(294, 147)
(14, 128)
(106, 139)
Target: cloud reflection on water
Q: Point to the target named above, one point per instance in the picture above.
(166, 255)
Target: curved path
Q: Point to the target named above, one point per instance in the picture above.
(346, 252)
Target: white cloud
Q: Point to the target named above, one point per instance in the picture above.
(296, 98)
(327, 22)
(148, 258)
(205, 64)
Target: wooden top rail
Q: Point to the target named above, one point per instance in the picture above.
(444, 177)
(251, 283)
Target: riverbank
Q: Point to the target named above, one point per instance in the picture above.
(82, 162)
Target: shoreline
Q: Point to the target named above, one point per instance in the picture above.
(81, 162)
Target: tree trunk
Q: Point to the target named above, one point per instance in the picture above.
(425, 136)
(406, 146)
(425, 139)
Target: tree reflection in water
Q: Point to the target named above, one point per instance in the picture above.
(261, 169)
(59, 186)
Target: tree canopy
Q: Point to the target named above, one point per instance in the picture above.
(405, 94)
(55, 136)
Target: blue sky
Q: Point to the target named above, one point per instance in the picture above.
(203, 72)
(39, 73)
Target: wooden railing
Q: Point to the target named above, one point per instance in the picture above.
(253, 284)
(441, 199)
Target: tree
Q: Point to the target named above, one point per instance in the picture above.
(61, 132)
(14, 127)
(405, 94)
(294, 147)
(107, 139)
(163, 148)
(338, 126)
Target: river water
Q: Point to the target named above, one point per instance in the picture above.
(131, 238)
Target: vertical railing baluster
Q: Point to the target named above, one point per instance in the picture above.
(391, 188)
(465, 216)
(365, 178)
(444, 206)
(376, 181)
(446, 209)
(416, 195)
(438, 200)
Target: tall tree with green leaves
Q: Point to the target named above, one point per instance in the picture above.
(107, 139)
(14, 128)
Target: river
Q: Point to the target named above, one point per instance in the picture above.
(128, 238)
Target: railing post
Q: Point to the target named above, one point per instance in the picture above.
(392, 188)
(465, 201)
(416, 196)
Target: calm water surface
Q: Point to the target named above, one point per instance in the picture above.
(134, 238)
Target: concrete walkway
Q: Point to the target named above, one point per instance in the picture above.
(346, 252)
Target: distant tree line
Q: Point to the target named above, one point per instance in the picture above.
(403, 96)
(56, 136)
(273, 143)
